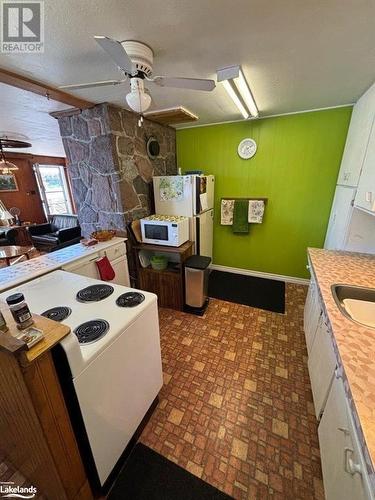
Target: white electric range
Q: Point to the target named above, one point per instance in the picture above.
(116, 369)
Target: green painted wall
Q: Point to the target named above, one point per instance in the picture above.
(295, 167)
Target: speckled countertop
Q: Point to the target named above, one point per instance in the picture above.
(12, 276)
(355, 344)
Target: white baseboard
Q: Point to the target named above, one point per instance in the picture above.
(260, 274)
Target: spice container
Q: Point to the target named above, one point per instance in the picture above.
(20, 310)
(3, 323)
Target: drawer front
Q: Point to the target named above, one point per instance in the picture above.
(114, 252)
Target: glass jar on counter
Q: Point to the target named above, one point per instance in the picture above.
(20, 310)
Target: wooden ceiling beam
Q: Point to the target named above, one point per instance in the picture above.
(24, 83)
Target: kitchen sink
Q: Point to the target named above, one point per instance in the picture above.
(356, 303)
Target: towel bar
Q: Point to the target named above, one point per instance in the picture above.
(244, 198)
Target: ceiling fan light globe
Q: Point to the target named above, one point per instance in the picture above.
(138, 101)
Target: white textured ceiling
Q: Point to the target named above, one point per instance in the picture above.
(296, 54)
(28, 114)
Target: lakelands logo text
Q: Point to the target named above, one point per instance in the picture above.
(9, 490)
(22, 27)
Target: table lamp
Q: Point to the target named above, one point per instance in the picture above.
(5, 215)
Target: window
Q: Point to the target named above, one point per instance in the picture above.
(53, 189)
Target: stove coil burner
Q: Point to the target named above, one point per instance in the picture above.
(94, 293)
(57, 313)
(91, 331)
(130, 299)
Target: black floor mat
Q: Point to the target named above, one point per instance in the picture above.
(248, 290)
(147, 475)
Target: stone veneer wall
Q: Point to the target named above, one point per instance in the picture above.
(110, 172)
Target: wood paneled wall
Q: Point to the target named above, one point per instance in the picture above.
(27, 198)
(22, 439)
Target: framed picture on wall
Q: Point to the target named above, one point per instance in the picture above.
(8, 182)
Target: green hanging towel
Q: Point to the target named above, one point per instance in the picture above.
(240, 216)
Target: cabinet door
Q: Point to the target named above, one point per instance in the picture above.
(321, 364)
(312, 314)
(357, 139)
(84, 267)
(166, 285)
(365, 197)
(343, 469)
(120, 266)
(342, 209)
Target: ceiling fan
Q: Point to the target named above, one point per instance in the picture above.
(135, 59)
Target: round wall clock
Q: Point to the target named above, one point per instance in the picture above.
(247, 148)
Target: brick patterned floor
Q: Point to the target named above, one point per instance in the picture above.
(236, 406)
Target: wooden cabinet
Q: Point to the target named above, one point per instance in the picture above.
(36, 433)
(344, 471)
(365, 197)
(168, 285)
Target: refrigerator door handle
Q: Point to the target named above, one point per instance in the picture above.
(196, 192)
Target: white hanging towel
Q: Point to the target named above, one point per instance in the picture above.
(226, 218)
(256, 211)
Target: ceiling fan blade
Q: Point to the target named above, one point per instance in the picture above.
(184, 83)
(117, 52)
(104, 83)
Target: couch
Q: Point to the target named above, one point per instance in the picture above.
(61, 231)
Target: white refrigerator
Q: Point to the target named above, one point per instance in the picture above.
(193, 197)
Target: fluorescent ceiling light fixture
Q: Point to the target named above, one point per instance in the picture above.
(238, 89)
(232, 94)
(246, 94)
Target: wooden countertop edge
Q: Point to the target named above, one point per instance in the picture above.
(53, 333)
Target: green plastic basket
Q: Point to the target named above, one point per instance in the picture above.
(159, 262)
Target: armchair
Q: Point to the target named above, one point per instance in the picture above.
(61, 231)
(8, 237)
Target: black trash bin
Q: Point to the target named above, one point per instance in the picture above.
(196, 282)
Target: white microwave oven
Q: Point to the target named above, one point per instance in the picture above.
(170, 230)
